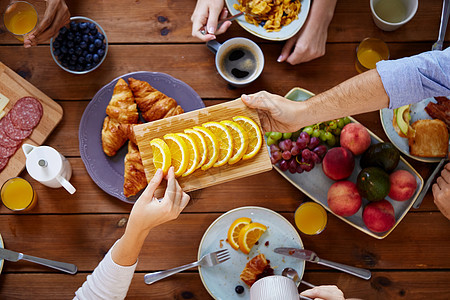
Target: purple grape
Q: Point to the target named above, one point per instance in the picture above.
(285, 145)
(307, 165)
(301, 143)
(286, 155)
(276, 155)
(313, 143)
(292, 166)
(320, 150)
(274, 148)
(299, 169)
(295, 150)
(306, 154)
(316, 158)
(304, 136)
(284, 165)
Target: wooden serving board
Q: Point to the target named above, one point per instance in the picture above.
(201, 179)
(15, 87)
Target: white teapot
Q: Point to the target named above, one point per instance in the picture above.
(48, 166)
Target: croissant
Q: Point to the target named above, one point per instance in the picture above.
(134, 177)
(122, 106)
(256, 269)
(127, 130)
(153, 104)
(112, 137)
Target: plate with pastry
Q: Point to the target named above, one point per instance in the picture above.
(419, 130)
(107, 144)
(250, 234)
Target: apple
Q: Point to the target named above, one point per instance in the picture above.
(355, 138)
(343, 198)
(403, 185)
(338, 163)
(379, 216)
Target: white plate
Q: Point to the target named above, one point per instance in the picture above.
(315, 184)
(285, 32)
(221, 279)
(417, 113)
(1, 260)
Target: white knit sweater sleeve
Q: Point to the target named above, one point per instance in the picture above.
(108, 281)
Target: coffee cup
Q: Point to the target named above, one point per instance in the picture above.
(239, 61)
(274, 288)
(389, 15)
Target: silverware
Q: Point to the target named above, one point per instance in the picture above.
(430, 180)
(16, 256)
(443, 27)
(204, 30)
(310, 256)
(293, 275)
(207, 260)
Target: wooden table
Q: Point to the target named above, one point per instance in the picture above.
(411, 263)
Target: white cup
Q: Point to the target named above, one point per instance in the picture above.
(274, 288)
(233, 71)
(389, 15)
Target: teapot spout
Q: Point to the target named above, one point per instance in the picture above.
(27, 148)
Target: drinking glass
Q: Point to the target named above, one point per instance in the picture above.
(17, 194)
(20, 18)
(369, 52)
(310, 218)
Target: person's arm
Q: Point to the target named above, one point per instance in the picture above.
(441, 192)
(56, 16)
(207, 14)
(324, 292)
(309, 43)
(112, 277)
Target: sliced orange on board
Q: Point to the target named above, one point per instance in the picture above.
(254, 135)
(161, 155)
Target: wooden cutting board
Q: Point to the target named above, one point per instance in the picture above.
(201, 179)
(15, 87)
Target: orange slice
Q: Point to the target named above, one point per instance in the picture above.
(212, 147)
(193, 153)
(249, 235)
(225, 140)
(240, 140)
(254, 135)
(201, 145)
(161, 155)
(233, 231)
(179, 153)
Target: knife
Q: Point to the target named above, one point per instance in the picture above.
(310, 256)
(16, 256)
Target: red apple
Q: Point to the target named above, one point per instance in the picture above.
(338, 163)
(343, 198)
(355, 138)
(403, 185)
(379, 216)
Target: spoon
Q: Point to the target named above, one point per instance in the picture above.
(292, 274)
(444, 19)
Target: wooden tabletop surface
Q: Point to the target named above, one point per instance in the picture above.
(411, 263)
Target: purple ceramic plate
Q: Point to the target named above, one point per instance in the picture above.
(107, 172)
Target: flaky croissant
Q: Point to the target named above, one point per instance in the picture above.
(122, 106)
(153, 104)
(134, 175)
(112, 136)
(127, 130)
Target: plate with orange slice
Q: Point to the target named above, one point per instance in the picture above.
(246, 232)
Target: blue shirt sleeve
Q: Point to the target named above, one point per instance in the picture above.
(412, 79)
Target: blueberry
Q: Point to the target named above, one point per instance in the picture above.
(98, 43)
(86, 30)
(88, 66)
(73, 26)
(91, 39)
(72, 68)
(70, 44)
(95, 58)
(104, 46)
(79, 67)
(94, 31)
(56, 44)
(72, 62)
(64, 64)
(81, 59)
(78, 50)
(83, 45)
(85, 38)
(59, 38)
(57, 52)
(73, 57)
(91, 48)
(70, 36)
(83, 25)
(63, 30)
(71, 51)
(239, 289)
(85, 52)
(92, 26)
(100, 36)
(262, 23)
(64, 49)
(89, 58)
(101, 52)
(77, 39)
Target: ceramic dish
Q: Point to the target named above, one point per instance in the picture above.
(221, 280)
(417, 113)
(1, 260)
(107, 172)
(285, 32)
(315, 183)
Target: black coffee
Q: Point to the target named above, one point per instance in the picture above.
(239, 63)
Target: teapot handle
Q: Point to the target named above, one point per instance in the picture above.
(66, 184)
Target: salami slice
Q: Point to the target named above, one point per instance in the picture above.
(5, 140)
(26, 113)
(14, 132)
(3, 163)
(7, 152)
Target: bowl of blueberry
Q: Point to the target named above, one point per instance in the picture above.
(80, 46)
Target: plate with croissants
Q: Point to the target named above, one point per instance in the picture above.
(108, 147)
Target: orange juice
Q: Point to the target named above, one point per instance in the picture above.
(20, 18)
(369, 52)
(17, 194)
(310, 218)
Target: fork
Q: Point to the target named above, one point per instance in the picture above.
(444, 19)
(207, 260)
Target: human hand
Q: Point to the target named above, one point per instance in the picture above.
(324, 292)
(207, 14)
(275, 112)
(441, 192)
(56, 16)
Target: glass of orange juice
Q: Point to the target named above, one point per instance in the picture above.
(17, 194)
(20, 18)
(369, 52)
(310, 218)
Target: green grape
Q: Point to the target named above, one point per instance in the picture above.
(332, 125)
(271, 141)
(309, 130)
(332, 141)
(276, 135)
(287, 135)
(315, 133)
(296, 134)
(340, 123)
(322, 135)
(328, 135)
(346, 120)
(337, 131)
(267, 134)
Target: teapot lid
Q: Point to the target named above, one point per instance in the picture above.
(43, 163)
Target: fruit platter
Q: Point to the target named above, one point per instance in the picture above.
(366, 184)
